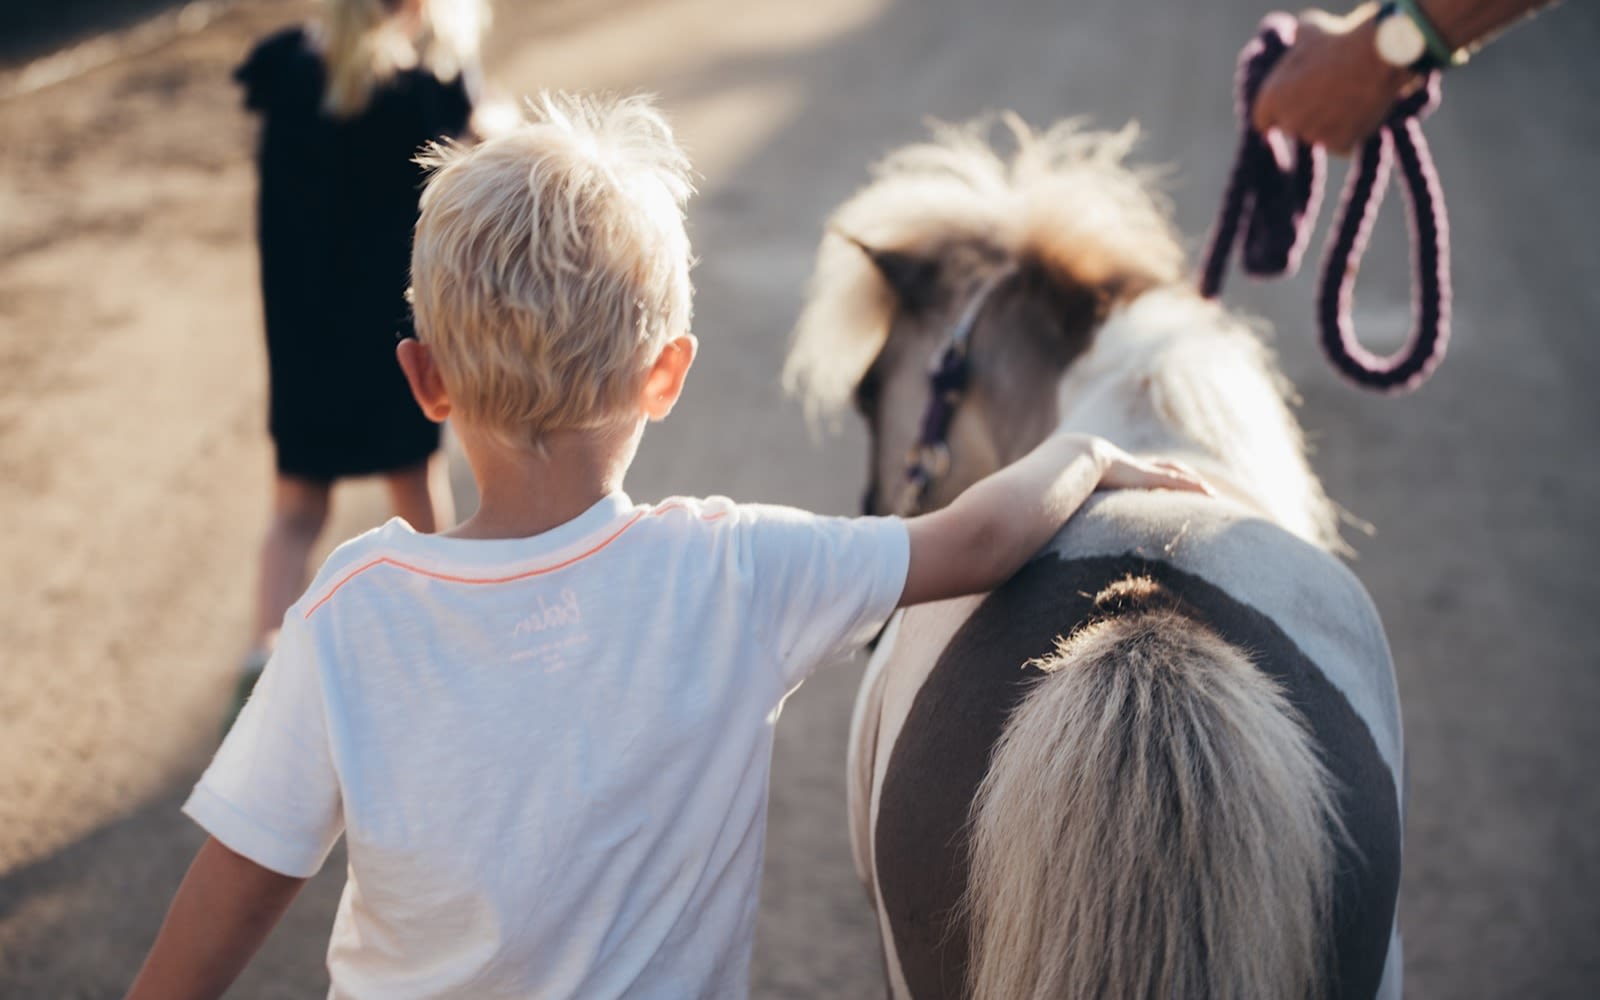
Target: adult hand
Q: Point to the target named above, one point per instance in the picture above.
(1331, 88)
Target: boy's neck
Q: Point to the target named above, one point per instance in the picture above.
(523, 492)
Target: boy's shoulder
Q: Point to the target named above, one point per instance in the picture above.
(386, 542)
(703, 509)
(716, 506)
(723, 512)
(397, 545)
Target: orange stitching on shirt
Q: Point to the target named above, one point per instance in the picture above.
(526, 574)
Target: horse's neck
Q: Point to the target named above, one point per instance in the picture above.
(1175, 375)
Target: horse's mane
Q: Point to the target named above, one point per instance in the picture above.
(1171, 367)
(1064, 197)
(1067, 199)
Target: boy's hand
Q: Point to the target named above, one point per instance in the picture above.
(980, 540)
(1122, 471)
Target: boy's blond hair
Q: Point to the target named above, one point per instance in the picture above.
(551, 265)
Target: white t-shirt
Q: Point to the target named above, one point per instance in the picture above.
(549, 755)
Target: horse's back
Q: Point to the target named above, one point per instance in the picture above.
(1300, 615)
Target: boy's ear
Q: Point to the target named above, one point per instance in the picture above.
(664, 384)
(422, 374)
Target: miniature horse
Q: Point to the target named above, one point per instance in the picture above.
(1164, 760)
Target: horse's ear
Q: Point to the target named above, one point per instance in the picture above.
(911, 278)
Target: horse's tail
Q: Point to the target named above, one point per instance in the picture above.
(1155, 823)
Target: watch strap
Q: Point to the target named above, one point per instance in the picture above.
(1440, 54)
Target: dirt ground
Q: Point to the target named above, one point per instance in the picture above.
(136, 466)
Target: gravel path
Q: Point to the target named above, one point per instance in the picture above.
(136, 464)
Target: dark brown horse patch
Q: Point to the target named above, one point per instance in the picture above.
(943, 749)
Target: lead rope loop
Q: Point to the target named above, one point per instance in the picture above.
(1274, 193)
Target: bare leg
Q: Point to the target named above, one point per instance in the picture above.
(299, 513)
(421, 495)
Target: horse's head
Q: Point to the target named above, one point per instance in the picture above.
(1012, 263)
(1022, 327)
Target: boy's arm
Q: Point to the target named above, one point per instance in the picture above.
(224, 909)
(985, 536)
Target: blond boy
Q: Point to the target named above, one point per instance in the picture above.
(545, 735)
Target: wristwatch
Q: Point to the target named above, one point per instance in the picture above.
(1408, 40)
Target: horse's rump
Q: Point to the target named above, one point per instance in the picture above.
(925, 824)
(1151, 796)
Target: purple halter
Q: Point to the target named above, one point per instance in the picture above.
(951, 370)
(1276, 204)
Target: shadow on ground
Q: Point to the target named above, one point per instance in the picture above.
(31, 28)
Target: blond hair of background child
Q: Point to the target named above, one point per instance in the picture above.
(545, 734)
(366, 43)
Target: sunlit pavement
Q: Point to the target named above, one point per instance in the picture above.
(136, 465)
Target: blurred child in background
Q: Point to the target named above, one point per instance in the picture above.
(346, 103)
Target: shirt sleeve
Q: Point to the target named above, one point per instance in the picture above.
(822, 586)
(271, 793)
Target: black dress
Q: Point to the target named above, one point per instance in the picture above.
(338, 201)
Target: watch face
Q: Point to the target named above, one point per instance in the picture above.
(1400, 42)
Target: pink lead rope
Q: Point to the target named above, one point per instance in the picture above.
(1276, 202)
